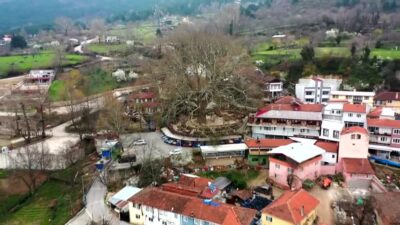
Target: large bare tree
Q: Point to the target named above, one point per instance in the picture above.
(201, 74)
(31, 163)
(64, 25)
(112, 117)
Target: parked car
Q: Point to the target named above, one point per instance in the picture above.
(176, 151)
(139, 142)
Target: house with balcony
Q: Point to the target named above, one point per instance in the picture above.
(316, 89)
(355, 115)
(273, 90)
(353, 97)
(286, 120)
(258, 149)
(153, 206)
(388, 99)
(332, 121)
(384, 137)
(291, 208)
(301, 160)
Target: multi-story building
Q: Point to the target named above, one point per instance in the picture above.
(291, 208)
(384, 136)
(153, 206)
(302, 160)
(354, 143)
(354, 97)
(389, 100)
(258, 149)
(355, 115)
(332, 123)
(382, 113)
(273, 90)
(287, 120)
(316, 90)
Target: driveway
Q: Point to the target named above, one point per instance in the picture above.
(155, 147)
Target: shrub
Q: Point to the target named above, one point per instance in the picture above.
(308, 184)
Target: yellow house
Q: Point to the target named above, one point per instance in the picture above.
(389, 100)
(353, 97)
(292, 208)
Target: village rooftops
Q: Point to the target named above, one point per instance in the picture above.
(121, 197)
(267, 143)
(218, 213)
(291, 111)
(383, 123)
(288, 100)
(298, 152)
(355, 108)
(387, 96)
(331, 147)
(191, 185)
(292, 206)
(354, 129)
(357, 166)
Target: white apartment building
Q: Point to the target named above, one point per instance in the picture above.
(273, 90)
(316, 90)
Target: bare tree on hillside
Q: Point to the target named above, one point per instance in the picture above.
(64, 25)
(98, 28)
(112, 117)
(30, 164)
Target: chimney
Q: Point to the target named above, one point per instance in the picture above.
(302, 211)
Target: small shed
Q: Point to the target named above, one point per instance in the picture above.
(120, 200)
(222, 183)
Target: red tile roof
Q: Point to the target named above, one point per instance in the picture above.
(328, 146)
(267, 143)
(375, 113)
(190, 186)
(191, 206)
(383, 123)
(288, 107)
(288, 207)
(357, 166)
(387, 95)
(354, 129)
(356, 108)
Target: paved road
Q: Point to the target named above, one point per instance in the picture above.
(155, 148)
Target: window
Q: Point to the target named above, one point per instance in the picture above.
(325, 92)
(333, 156)
(349, 97)
(383, 138)
(325, 132)
(350, 114)
(277, 166)
(359, 115)
(335, 134)
(276, 175)
(353, 136)
(309, 92)
(290, 170)
(358, 136)
(269, 219)
(137, 216)
(396, 140)
(309, 100)
(366, 97)
(396, 131)
(335, 96)
(302, 130)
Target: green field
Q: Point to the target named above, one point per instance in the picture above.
(239, 178)
(23, 63)
(38, 210)
(106, 48)
(144, 32)
(261, 53)
(90, 84)
(56, 90)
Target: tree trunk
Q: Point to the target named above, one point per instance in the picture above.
(28, 127)
(42, 121)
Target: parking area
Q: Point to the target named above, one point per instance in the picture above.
(154, 148)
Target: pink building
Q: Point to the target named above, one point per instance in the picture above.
(353, 143)
(384, 132)
(303, 160)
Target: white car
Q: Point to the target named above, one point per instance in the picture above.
(176, 151)
(139, 142)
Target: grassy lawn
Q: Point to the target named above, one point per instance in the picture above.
(106, 48)
(145, 32)
(386, 53)
(239, 178)
(56, 90)
(38, 210)
(22, 63)
(3, 174)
